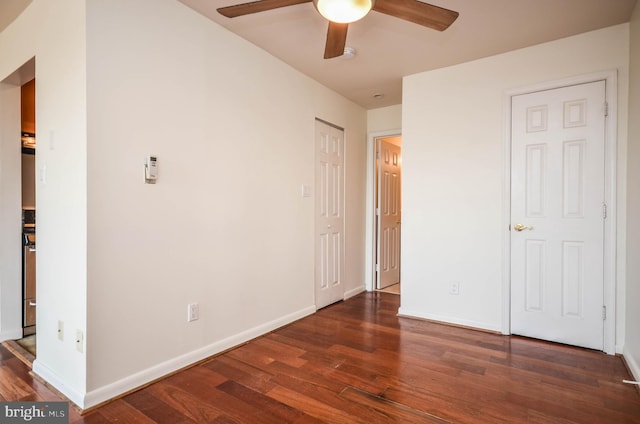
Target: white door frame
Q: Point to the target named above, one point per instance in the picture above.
(610, 224)
(370, 241)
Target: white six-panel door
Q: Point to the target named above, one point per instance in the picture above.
(329, 215)
(557, 214)
(389, 214)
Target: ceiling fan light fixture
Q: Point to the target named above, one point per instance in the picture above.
(343, 11)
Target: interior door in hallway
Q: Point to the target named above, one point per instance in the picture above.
(329, 214)
(557, 214)
(388, 212)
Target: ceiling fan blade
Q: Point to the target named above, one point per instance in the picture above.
(256, 6)
(424, 14)
(336, 40)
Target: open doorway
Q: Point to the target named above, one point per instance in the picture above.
(17, 196)
(28, 183)
(385, 214)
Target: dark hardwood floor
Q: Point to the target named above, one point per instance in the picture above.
(357, 362)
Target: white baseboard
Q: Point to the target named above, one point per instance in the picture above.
(632, 363)
(141, 378)
(449, 320)
(354, 292)
(52, 378)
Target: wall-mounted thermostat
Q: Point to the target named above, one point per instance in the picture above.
(151, 170)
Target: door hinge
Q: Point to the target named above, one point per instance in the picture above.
(606, 109)
(377, 267)
(604, 313)
(604, 211)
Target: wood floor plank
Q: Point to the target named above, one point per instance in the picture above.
(394, 410)
(119, 411)
(232, 408)
(182, 401)
(450, 404)
(357, 361)
(12, 388)
(196, 379)
(565, 411)
(313, 373)
(322, 409)
(281, 352)
(245, 373)
(147, 403)
(281, 412)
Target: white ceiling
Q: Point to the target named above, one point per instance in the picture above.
(10, 9)
(388, 48)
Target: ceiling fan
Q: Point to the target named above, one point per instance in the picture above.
(340, 13)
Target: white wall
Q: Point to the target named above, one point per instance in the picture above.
(453, 126)
(384, 119)
(54, 32)
(632, 339)
(225, 226)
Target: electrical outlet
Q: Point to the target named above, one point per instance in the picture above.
(193, 312)
(79, 341)
(61, 331)
(454, 288)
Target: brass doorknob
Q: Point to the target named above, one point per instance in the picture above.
(520, 227)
